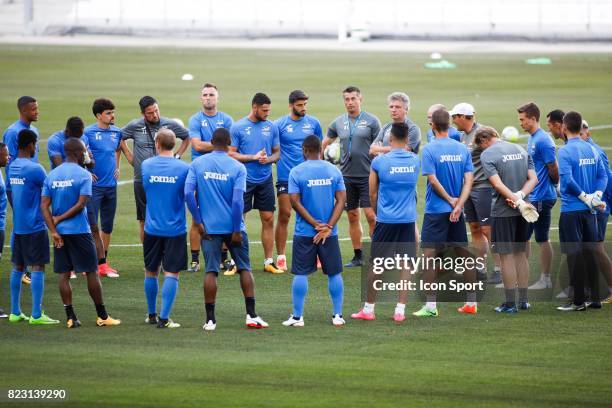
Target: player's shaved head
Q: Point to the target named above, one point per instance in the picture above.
(166, 139)
(74, 149)
(311, 144)
(221, 138)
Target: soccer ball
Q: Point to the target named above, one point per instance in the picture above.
(510, 133)
(332, 153)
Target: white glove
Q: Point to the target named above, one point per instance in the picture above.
(86, 158)
(528, 211)
(593, 200)
(520, 195)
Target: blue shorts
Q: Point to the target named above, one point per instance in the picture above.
(602, 224)
(170, 252)
(389, 240)
(78, 254)
(542, 225)
(260, 196)
(103, 201)
(438, 231)
(575, 229)
(305, 253)
(282, 187)
(30, 249)
(212, 252)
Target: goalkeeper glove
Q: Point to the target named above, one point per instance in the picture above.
(593, 201)
(528, 211)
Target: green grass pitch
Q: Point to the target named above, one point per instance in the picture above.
(539, 358)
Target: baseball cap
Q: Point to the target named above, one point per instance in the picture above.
(463, 108)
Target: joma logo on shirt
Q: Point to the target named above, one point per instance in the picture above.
(450, 158)
(511, 157)
(62, 183)
(586, 162)
(405, 169)
(15, 180)
(215, 176)
(319, 182)
(162, 179)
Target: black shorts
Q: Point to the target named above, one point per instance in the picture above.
(1, 241)
(575, 229)
(509, 235)
(305, 253)
(141, 201)
(602, 224)
(389, 240)
(282, 187)
(103, 202)
(357, 193)
(478, 206)
(78, 254)
(437, 231)
(30, 249)
(542, 226)
(260, 196)
(170, 252)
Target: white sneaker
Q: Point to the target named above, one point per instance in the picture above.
(72, 275)
(209, 326)
(169, 324)
(294, 322)
(542, 283)
(255, 322)
(111, 274)
(337, 320)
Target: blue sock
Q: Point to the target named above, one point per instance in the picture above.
(335, 284)
(38, 288)
(151, 287)
(16, 292)
(299, 289)
(169, 290)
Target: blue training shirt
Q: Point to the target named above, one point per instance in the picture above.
(3, 202)
(64, 185)
(449, 160)
(316, 181)
(103, 144)
(26, 178)
(249, 138)
(453, 133)
(291, 135)
(10, 140)
(163, 179)
(201, 126)
(55, 146)
(542, 149)
(398, 173)
(216, 176)
(580, 169)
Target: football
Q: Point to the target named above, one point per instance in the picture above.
(510, 133)
(333, 153)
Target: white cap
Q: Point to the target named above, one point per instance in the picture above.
(463, 108)
(585, 124)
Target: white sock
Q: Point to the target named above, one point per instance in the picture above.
(497, 269)
(281, 256)
(546, 278)
(368, 307)
(268, 261)
(430, 305)
(470, 304)
(400, 308)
